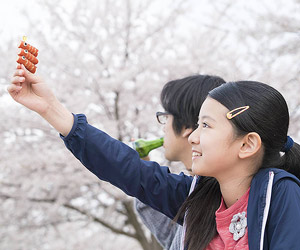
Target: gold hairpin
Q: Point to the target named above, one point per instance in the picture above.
(230, 114)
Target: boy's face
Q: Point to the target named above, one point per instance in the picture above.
(176, 146)
(170, 139)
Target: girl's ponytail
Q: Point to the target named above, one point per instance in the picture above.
(291, 157)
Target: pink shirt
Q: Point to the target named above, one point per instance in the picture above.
(224, 239)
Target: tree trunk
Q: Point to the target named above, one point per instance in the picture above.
(140, 234)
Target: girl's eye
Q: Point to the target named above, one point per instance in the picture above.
(204, 125)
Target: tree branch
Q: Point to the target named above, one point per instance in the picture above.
(102, 222)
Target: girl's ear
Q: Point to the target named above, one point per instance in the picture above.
(186, 132)
(251, 144)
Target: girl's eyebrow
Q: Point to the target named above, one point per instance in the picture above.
(207, 117)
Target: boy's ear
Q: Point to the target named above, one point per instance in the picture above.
(251, 144)
(186, 132)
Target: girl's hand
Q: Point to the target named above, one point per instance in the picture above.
(30, 91)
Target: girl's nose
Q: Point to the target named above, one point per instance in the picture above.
(194, 137)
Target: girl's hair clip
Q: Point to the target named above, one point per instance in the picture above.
(238, 111)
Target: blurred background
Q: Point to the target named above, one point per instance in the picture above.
(110, 59)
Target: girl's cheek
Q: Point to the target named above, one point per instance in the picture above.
(204, 138)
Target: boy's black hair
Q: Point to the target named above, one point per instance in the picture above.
(183, 98)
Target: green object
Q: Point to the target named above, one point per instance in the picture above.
(143, 147)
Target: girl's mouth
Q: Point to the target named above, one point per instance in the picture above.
(196, 154)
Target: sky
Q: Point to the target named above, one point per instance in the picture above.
(11, 21)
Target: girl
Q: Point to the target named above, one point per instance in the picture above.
(242, 130)
(247, 195)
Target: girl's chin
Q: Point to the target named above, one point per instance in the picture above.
(196, 170)
(199, 170)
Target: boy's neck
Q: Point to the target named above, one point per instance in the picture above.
(187, 161)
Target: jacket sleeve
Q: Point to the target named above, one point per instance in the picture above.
(115, 162)
(283, 230)
(162, 227)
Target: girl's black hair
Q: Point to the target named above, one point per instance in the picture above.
(183, 98)
(268, 116)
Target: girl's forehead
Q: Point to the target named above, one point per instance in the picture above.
(212, 108)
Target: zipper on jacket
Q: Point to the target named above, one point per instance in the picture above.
(267, 208)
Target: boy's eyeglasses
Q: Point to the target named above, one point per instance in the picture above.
(162, 117)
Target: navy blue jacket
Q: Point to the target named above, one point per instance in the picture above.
(273, 213)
